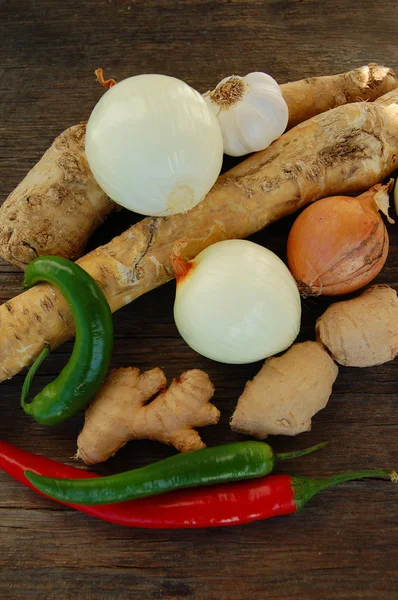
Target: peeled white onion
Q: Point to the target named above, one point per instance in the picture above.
(153, 145)
(236, 302)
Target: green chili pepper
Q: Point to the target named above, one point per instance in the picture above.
(231, 462)
(82, 377)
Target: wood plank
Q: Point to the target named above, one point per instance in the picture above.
(344, 544)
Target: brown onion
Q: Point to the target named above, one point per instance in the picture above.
(339, 244)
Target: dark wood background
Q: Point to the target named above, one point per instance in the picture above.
(344, 544)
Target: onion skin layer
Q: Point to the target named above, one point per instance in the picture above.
(339, 244)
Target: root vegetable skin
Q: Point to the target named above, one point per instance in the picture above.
(347, 149)
(58, 205)
(315, 95)
(362, 332)
(56, 208)
(286, 393)
(120, 412)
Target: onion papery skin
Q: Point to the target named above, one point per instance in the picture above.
(337, 245)
(237, 303)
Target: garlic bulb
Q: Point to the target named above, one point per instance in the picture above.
(251, 111)
(236, 302)
(153, 145)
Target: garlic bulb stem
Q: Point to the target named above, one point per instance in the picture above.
(228, 92)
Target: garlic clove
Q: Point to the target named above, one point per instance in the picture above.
(255, 129)
(234, 129)
(276, 115)
(259, 78)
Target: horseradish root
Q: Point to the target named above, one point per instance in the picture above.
(120, 412)
(286, 393)
(315, 95)
(362, 332)
(347, 149)
(58, 205)
(56, 208)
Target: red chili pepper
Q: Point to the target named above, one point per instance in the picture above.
(220, 505)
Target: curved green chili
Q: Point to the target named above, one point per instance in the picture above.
(230, 462)
(83, 375)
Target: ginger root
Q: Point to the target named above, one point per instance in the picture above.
(286, 393)
(119, 413)
(347, 149)
(362, 332)
(56, 208)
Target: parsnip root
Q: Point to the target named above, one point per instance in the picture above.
(362, 332)
(286, 393)
(56, 208)
(347, 149)
(120, 414)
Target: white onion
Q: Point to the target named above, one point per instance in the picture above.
(236, 302)
(153, 145)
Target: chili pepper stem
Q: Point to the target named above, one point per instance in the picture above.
(298, 453)
(305, 488)
(31, 373)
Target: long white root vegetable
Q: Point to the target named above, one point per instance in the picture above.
(120, 412)
(56, 208)
(58, 205)
(347, 149)
(362, 332)
(286, 393)
(314, 95)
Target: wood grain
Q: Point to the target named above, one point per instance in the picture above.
(344, 545)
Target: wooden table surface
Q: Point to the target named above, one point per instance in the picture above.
(344, 545)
